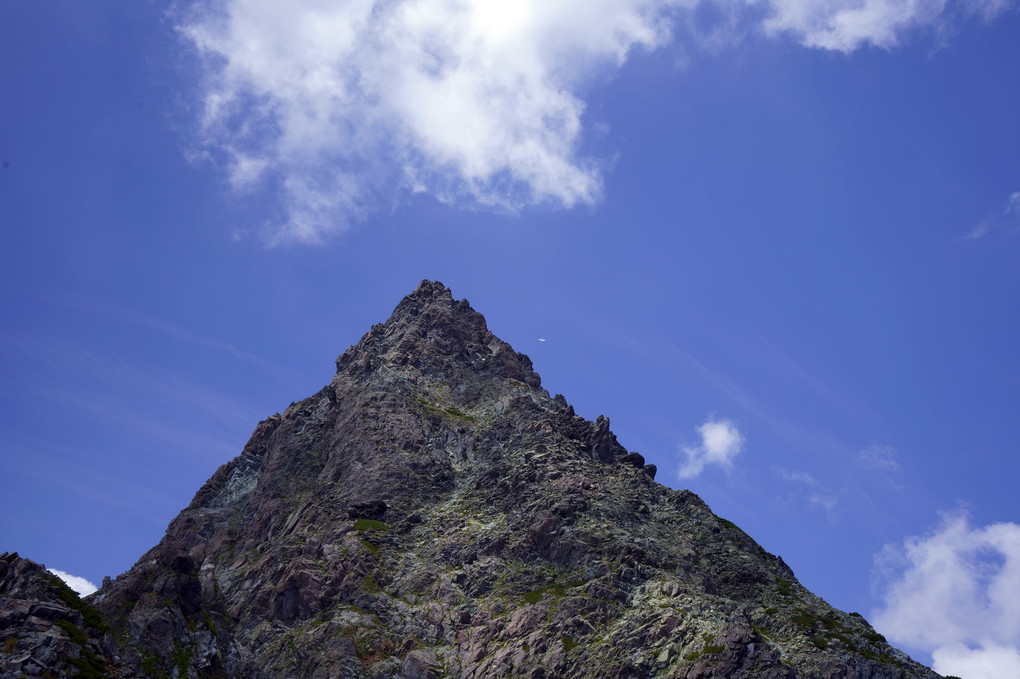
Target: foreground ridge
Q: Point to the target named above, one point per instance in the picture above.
(434, 512)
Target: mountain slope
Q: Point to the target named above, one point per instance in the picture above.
(434, 512)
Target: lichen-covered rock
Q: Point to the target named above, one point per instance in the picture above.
(433, 512)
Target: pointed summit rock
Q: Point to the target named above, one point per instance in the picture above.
(433, 512)
(430, 334)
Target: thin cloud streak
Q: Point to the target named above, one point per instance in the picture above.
(878, 457)
(656, 349)
(183, 439)
(178, 332)
(1007, 219)
(96, 382)
(815, 493)
(83, 466)
(850, 406)
(1013, 204)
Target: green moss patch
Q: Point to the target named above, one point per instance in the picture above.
(370, 584)
(807, 621)
(729, 524)
(88, 665)
(370, 524)
(874, 637)
(181, 659)
(73, 632)
(535, 595)
(447, 411)
(90, 616)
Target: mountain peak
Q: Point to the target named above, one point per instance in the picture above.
(432, 289)
(440, 337)
(433, 512)
(427, 294)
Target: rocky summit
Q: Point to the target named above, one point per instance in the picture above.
(434, 512)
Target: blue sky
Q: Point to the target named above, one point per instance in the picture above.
(777, 243)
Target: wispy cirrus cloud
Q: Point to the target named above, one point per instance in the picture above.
(337, 107)
(956, 594)
(172, 330)
(882, 458)
(816, 493)
(1005, 219)
(1012, 209)
(80, 473)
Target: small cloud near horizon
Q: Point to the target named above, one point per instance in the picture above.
(721, 442)
(79, 584)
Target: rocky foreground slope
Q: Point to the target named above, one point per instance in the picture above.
(433, 512)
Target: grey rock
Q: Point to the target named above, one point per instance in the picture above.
(419, 664)
(433, 512)
(45, 628)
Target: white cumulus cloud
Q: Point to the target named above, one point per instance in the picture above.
(338, 107)
(721, 442)
(956, 593)
(80, 585)
(470, 100)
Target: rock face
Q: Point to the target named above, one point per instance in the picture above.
(46, 630)
(433, 512)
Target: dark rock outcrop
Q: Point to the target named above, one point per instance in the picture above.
(433, 512)
(47, 630)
